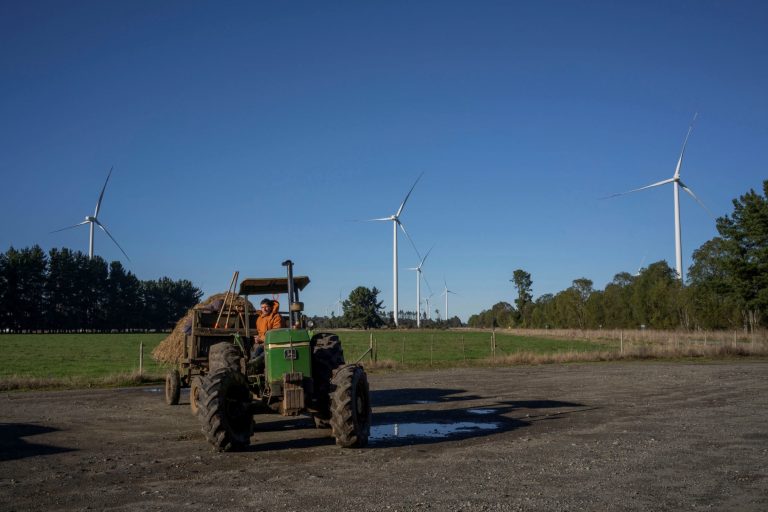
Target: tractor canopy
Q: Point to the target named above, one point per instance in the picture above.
(270, 285)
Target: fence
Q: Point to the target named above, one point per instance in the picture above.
(445, 348)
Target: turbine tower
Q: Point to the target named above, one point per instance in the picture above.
(446, 291)
(677, 184)
(93, 220)
(418, 287)
(395, 218)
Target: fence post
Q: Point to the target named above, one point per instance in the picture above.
(370, 348)
(141, 358)
(431, 348)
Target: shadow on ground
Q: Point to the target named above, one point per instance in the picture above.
(14, 445)
(434, 415)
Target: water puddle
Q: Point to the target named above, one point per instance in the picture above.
(152, 390)
(424, 402)
(481, 411)
(427, 430)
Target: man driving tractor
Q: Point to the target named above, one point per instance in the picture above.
(269, 318)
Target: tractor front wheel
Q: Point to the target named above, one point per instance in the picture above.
(225, 410)
(172, 387)
(350, 407)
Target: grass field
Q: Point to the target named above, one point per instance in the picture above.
(56, 356)
(445, 348)
(82, 360)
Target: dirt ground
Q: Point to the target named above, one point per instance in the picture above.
(628, 436)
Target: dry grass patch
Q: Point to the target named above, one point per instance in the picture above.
(639, 352)
(25, 383)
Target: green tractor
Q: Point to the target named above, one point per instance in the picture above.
(299, 372)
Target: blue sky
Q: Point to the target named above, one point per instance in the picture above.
(245, 133)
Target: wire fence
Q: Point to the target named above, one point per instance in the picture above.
(441, 348)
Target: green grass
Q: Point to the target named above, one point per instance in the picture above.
(61, 356)
(34, 361)
(419, 348)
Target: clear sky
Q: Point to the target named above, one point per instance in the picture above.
(245, 133)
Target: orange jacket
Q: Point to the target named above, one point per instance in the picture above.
(270, 321)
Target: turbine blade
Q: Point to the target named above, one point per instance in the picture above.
(685, 143)
(431, 293)
(113, 238)
(402, 205)
(425, 256)
(657, 184)
(382, 218)
(101, 196)
(682, 185)
(70, 227)
(409, 238)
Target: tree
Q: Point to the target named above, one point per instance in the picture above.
(743, 258)
(655, 297)
(523, 285)
(22, 276)
(363, 309)
(500, 315)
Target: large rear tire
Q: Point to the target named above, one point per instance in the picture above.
(223, 355)
(225, 412)
(350, 407)
(172, 387)
(327, 356)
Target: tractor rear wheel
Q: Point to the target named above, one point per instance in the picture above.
(225, 411)
(195, 394)
(223, 355)
(350, 407)
(172, 387)
(327, 356)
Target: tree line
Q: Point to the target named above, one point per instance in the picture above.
(65, 291)
(363, 310)
(727, 287)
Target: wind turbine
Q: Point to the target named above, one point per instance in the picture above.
(93, 220)
(418, 287)
(429, 313)
(338, 303)
(677, 184)
(395, 218)
(446, 291)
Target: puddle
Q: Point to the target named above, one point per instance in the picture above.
(427, 430)
(152, 390)
(481, 411)
(423, 402)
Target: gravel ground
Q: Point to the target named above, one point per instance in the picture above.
(619, 436)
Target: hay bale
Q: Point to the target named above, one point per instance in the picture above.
(171, 349)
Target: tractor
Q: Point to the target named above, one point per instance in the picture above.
(299, 372)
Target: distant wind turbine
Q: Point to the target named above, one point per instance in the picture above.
(395, 218)
(339, 303)
(429, 313)
(93, 220)
(418, 287)
(640, 268)
(446, 291)
(677, 184)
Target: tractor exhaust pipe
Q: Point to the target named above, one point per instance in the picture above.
(292, 296)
